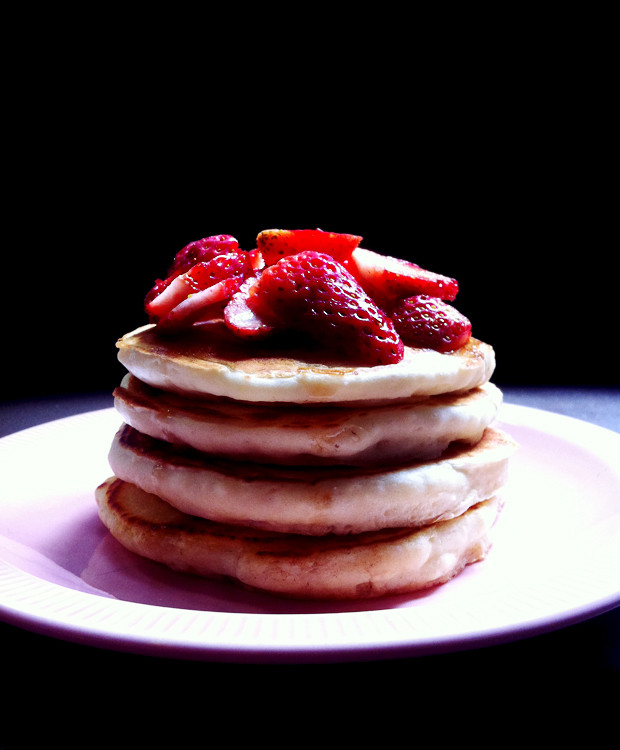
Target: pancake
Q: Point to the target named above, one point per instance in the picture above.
(216, 362)
(297, 434)
(390, 561)
(314, 500)
(264, 456)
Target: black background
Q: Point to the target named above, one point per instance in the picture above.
(484, 156)
(480, 146)
(516, 209)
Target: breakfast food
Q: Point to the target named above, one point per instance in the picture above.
(307, 418)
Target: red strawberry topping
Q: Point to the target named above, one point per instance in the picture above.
(241, 319)
(359, 302)
(202, 250)
(312, 292)
(195, 252)
(192, 295)
(275, 244)
(387, 279)
(429, 322)
(201, 306)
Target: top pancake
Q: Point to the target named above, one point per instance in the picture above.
(209, 359)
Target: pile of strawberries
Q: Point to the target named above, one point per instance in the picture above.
(363, 304)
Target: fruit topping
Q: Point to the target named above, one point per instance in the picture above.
(322, 284)
(202, 250)
(429, 322)
(195, 252)
(387, 279)
(201, 306)
(241, 319)
(278, 243)
(197, 293)
(313, 293)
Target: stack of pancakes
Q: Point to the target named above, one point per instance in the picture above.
(295, 474)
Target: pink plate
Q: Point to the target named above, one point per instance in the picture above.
(555, 560)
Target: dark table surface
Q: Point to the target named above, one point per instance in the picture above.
(50, 671)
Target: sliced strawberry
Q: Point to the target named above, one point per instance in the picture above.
(202, 250)
(279, 243)
(241, 319)
(430, 323)
(256, 259)
(230, 267)
(388, 279)
(174, 291)
(157, 288)
(313, 293)
(201, 306)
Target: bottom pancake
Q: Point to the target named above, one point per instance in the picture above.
(356, 566)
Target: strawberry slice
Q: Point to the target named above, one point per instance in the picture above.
(157, 288)
(199, 251)
(225, 271)
(207, 304)
(202, 250)
(256, 259)
(388, 279)
(431, 323)
(313, 293)
(279, 243)
(172, 291)
(241, 319)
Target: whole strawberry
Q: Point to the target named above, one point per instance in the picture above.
(429, 322)
(313, 293)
